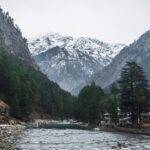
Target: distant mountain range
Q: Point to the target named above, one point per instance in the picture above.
(71, 62)
(138, 51)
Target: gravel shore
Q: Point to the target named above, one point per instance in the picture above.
(7, 133)
(144, 131)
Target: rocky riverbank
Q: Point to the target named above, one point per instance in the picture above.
(75, 124)
(7, 133)
(130, 130)
(144, 131)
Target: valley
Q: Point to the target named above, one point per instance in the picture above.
(71, 62)
(63, 92)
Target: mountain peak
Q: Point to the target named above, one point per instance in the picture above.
(138, 51)
(42, 43)
(70, 61)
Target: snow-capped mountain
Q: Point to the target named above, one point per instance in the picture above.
(138, 51)
(70, 62)
(99, 50)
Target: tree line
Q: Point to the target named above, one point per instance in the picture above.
(27, 90)
(130, 95)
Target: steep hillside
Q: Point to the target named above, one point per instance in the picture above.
(138, 51)
(27, 90)
(22, 86)
(11, 39)
(71, 62)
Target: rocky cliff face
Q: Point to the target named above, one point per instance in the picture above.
(11, 39)
(71, 62)
(138, 51)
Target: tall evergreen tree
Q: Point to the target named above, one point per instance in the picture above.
(114, 91)
(15, 107)
(89, 101)
(134, 90)
(112, 107)
(112, 102)
(27, 90)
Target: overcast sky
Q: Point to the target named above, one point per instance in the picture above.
(115, 21)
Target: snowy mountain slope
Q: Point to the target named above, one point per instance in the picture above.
(93, 47)
(138, 51)
(70, 62)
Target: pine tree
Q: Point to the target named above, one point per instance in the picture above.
(27, 90)
(113, 103)
(134, 90)
(15, 107)
(114, 91)
(89, 101)
(112, 108)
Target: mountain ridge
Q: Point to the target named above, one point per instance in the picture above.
(11, 39)
(23, 87)
(70, 62)
(138, 51)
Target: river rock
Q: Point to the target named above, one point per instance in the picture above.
(7, 132)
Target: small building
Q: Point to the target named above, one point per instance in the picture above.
(145, 118)
(107, 116)
(107, 119)
(124, 121)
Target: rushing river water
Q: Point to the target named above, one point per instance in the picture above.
(70, 139)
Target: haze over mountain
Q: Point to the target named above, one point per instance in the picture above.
(71, 62)
(113, 21)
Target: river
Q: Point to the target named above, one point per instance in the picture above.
(75, 139)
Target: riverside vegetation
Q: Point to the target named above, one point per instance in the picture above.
(26, 90)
